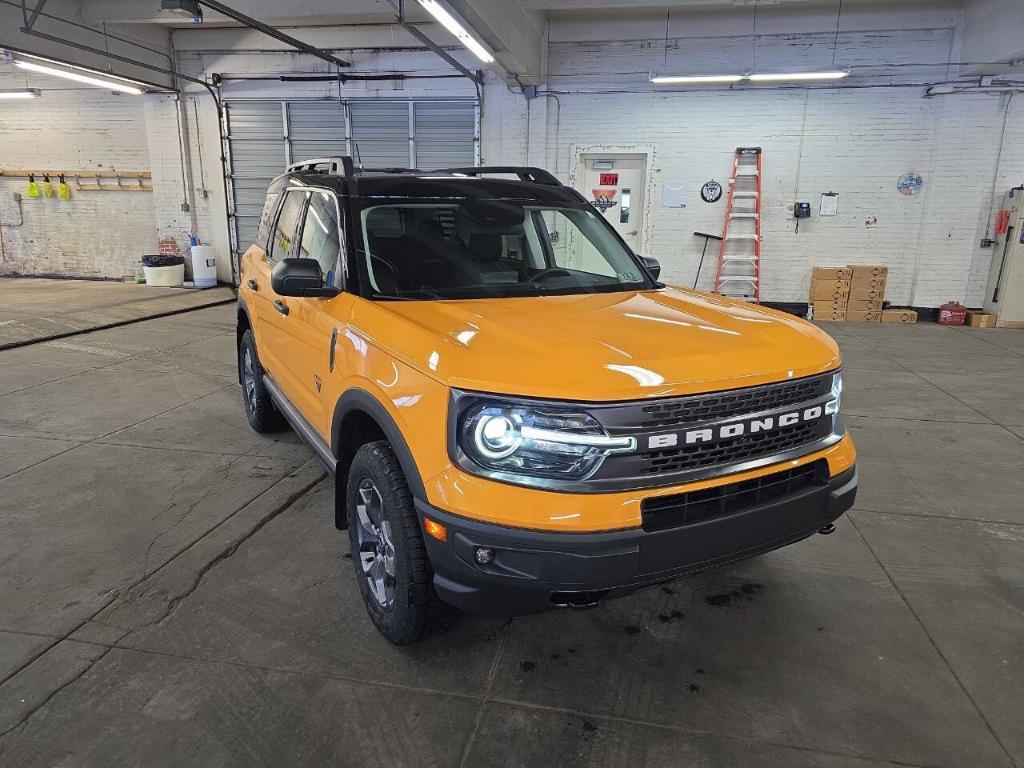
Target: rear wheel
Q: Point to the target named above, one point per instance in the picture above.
(392, 568)
(259, 408)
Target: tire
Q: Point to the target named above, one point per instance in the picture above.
(391, 563)
(259, 408)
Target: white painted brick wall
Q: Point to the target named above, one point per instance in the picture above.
(853, 141)
(94, 234)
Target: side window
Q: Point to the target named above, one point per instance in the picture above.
(320, 239)
(280, 244)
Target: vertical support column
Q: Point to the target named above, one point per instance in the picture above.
(476, 131)
(412, 134)
(348, 130)
(286, 134)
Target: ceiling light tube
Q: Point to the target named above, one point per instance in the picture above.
(450, 20)
(124, 86)
(671, 79)
(775, 76)
(20, 93)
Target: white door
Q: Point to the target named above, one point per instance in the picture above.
(615, 184)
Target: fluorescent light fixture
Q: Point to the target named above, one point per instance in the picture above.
(669, 79)
(21, 93)
(122, 85)
(773, 76)
(448, 19)
(758, 78)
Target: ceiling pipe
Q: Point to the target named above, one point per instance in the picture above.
(415, 32)
(31, 20)
(277, 34)
(956, 90)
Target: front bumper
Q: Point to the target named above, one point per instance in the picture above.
(533, 571)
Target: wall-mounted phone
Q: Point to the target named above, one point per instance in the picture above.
(801, 211)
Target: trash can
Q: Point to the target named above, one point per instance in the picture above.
(164, 271)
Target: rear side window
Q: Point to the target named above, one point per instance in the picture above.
(284, 230)
(267, 219)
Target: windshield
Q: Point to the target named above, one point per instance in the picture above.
(490, 248)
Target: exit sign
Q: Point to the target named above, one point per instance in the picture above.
(609, 180)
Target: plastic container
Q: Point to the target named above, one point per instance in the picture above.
(204, 266)
(952, 313)
(165, 277)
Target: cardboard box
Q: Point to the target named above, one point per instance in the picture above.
(899, 316)
(831, 290)
(864, 305)
(861, 293)
(861, 271)
(831, 273)
(829, 310)
(867, 283)
(981, 319)
(870, 316)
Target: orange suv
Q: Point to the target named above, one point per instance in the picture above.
(517, 413)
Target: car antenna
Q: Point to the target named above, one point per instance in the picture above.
(359, 158)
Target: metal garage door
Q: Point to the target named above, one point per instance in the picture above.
(265, 135)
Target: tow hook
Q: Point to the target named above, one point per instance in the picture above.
(828, 530)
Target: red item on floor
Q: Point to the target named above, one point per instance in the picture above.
(952, 313)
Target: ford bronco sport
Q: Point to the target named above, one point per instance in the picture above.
(518, 415)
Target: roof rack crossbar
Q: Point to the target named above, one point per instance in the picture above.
(524, 172)
(333, 165)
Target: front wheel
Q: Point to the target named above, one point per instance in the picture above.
(392, 568)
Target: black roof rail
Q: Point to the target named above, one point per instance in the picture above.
(333, 165)
(524, 172)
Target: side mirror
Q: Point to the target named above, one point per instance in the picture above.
(653, 266)
(300, 277)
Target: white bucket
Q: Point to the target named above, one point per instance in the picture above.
(204, 266)
(165, 277)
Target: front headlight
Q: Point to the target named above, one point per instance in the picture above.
(536, 441)
(833, 405)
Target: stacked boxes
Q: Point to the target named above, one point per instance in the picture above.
(854, 293)
(830, 290)
(867, 292)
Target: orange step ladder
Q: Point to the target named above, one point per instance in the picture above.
(738, 274)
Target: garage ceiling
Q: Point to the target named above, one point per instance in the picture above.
(317, 12)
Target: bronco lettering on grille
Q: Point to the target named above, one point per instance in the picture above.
(735, 429)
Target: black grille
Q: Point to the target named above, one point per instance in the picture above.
(737, 402)
(733, 450)
(733, 498)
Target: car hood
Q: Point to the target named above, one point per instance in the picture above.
(600, 347)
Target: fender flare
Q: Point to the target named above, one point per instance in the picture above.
(356, 399)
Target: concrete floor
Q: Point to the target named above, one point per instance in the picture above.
(174, 592)
(33, 308)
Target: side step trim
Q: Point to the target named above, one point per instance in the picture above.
(302, 427)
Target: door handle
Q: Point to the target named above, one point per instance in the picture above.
(253, 285)
(280, 306)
